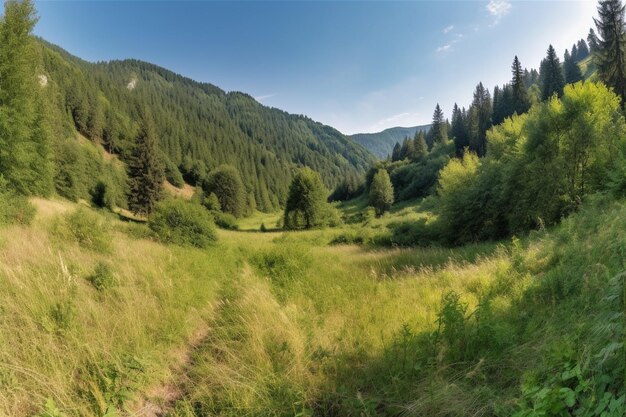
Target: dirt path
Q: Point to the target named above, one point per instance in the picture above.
(159, 399)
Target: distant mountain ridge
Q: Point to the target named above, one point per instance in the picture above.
(381, 144)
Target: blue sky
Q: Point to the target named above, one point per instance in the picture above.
(357, 66)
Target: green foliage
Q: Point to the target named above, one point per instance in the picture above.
(225, 220)
(102, 278)
(183, 223)
(551, 75)
(24, 134)
(610, 46)
(381, 192)
(225, 182)
(14, 208)
(84, 227)
(306, 204)
(145, 170)
(211, 202)
(51, 410)
(172, 173)
(539, 167)
(109, 386)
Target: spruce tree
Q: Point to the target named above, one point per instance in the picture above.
(592, 40)
(24, 137)
(146, 172)
(459, 130)
(381, 192)
(438, 131)
(479, 120)
(521, 101)
(610, 56)
(420, 146)
(572, 71)
(396, 154)
(583, 50)
(551, 75)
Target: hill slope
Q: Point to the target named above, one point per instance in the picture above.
(200, 126)
(381, 143)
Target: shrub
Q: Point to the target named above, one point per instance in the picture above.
(15, 208)
(183, 223)
(86, 228)
(225, 220)
(102, 279)
(263, 228)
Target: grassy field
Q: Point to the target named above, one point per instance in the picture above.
(94, 317)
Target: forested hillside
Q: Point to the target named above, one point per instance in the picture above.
(381, 143)
(199, 125)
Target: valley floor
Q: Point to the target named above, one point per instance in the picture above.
(98, 320)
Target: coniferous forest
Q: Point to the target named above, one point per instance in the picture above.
(168, 248)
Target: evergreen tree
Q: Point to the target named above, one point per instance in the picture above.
(583, 50)
(458, 130)
(438, 132)
(575, 52)
(420, 146)
(610, 56)
(226, 183)
(521, 101)
(572, 71)
(306, 205)
(24, 159)
(396, 154)
(479, 120)
(145, 169)
(381, 192)
(592, 40)
(551, 75)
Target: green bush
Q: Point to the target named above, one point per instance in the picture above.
(102, 279)
(86, 228)
(225, 220)
(15, 209)
(183, 223)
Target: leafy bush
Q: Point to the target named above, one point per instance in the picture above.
(86, 228)
(15, 208)
(225, 220)
(183, 223)
(102, 279)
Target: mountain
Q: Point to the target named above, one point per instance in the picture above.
(381, 143)
(200, 126)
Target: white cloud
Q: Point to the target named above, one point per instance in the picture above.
(444, 48)
(498, 9)
(448, 29)
(265, 97)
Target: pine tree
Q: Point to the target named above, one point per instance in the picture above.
(381, 192)
(24, 159)
(420, 146)
(479, 120)
(458, 130)
(438, 133)
(610, 55)
(575, 52)
(583, 50)
(572, 71)
(145, 170)
(592, 40)
(551, 75)
(521, 101)
(396, 154)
